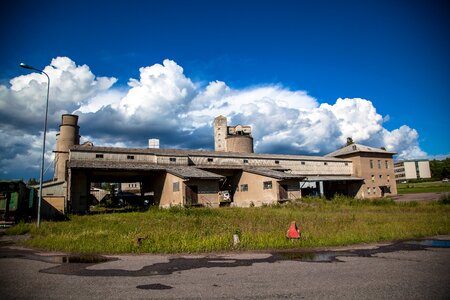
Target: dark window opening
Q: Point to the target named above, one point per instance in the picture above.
(98, 155)
(172, 159)
(130, 156)
(245, 161)
(277, 162)
(210, 160)
(267, 185)
(244, 188)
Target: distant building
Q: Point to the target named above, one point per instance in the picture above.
(412, 169)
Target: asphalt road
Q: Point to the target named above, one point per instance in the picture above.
(388, 271)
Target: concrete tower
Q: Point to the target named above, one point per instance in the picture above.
(220, 133)
(68, 136)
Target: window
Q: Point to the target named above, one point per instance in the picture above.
(325, 163)
(371, 164)
(302, 162)
(346, 164)
(210, 159)
(267, 185)
(388, 178)
(386, 164)
(368, 191)
(374, 190)
(379, 164)
(130, 156)
(380, 176)
(98, 155)
(172, 159)
(373, 178)
(277, 162)
(244, 187)
(176, 187)
(245, 161)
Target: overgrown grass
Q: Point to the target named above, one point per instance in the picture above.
(342, 221)
(423, 187)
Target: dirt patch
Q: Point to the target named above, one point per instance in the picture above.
(420, 197)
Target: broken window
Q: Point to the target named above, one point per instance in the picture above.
(245, 161)
(210, 160)
(371, 164)
(130, 156)
(98, 155)
(267, 185)
(244, 188)
(172, 159)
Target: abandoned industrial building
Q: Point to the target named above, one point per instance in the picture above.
(230, 175)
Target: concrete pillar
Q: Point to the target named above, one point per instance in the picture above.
(321, 188)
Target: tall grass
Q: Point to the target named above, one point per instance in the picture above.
(342, 221)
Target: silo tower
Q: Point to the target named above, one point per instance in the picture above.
(68, 136)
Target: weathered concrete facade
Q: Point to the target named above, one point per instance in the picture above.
(196, 177)
(375, 166)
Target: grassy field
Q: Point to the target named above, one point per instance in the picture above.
(195, 230)
(423, 187)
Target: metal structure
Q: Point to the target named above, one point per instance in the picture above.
(41, 176)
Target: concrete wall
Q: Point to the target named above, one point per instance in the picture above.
(207, 191)
(256, 194)
(239, 143)
(377, 170)
(169, 197)
(424, 169)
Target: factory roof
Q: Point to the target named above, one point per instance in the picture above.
(185, 172)
(355, 148)
(192, 153)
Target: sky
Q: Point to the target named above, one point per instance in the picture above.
(304, 74)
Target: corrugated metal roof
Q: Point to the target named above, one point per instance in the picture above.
(192, 172)
(355, 148)
(203, 153)
(181, 171)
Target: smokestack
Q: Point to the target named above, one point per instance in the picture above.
(68, 136)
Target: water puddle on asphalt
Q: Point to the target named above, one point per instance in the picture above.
(431, 243)
(77, 259)
(155, 286)
(78, 265)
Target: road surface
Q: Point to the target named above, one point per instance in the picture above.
(415, 270)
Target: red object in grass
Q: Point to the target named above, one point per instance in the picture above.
(293, 231)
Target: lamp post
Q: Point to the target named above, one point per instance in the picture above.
(41, 176)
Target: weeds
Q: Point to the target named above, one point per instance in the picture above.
(339, 221)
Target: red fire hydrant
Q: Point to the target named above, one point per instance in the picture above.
(293, 231)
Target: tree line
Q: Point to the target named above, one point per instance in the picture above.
(440, 168)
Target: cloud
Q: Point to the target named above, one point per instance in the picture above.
(164, 103)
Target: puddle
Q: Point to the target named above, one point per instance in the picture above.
(313, 256)
(78, 265)
(155, 286)
(431, 243)
(77, 259)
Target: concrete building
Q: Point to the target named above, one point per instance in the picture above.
(196, 177)
(412, 169)
(232, 138)
(374, 165)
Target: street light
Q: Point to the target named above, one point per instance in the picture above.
(41, 176)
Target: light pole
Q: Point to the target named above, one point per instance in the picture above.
(41, 176)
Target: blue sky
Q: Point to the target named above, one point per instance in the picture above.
(393, 54)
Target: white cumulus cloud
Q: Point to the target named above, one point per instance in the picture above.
(165, 103)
